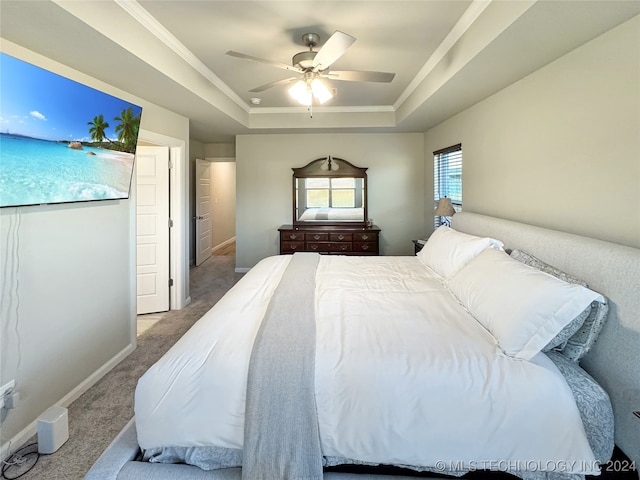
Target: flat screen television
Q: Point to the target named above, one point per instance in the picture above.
(62, 141)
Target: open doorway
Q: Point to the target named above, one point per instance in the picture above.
(215, 208)
(171, 279)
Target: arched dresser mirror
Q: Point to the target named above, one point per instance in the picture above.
(329, 203)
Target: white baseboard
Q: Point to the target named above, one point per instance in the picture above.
(223, 244)
(242, 270)
(30, 430)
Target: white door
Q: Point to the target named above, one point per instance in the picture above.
(152, 246)
(203, 211)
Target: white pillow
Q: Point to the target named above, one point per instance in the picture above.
(448, 250)
(522, 307)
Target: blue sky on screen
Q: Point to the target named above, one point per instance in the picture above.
(41, 104)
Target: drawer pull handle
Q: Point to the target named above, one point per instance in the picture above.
(314, 247)
(365, 247)
(316, 237)
(293, 247)
(293, 236)
(340, 237)
(364, 237)
(343, 247)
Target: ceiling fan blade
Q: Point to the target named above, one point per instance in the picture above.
(277, 83)
(359, 76)
(332, 50)
(284, 66)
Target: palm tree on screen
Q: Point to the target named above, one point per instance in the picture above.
(127, 129)
(98, 127)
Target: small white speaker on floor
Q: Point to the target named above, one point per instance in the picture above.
(53, 429)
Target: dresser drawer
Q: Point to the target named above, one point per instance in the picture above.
(318, 247)
(316, 237)
(341, 237)
(365, 236)
(291, 247)
(366, 247)
(340, 247)
(291, 236)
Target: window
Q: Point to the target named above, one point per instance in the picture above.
(330, 192)
(447, 178)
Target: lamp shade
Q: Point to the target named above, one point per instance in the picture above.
(444, 208)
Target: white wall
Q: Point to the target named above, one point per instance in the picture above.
(560, 148)
(68, 284)
(223, 201)
(395, 165)
(67, 307)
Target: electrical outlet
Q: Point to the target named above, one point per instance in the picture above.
(4, 389)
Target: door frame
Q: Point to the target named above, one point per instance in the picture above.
(179, 295)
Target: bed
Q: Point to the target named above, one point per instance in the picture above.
(452, 387)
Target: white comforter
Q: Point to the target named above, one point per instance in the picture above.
(404, 376)
(333, 214)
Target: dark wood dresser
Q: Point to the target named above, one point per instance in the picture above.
(330, 239)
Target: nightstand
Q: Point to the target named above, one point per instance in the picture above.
(417, 245)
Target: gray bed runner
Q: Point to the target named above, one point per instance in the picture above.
(281, 437)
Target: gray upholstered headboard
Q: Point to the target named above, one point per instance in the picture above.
(614, 271)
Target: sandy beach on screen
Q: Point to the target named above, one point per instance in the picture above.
(124, 157)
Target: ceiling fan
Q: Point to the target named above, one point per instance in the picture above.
(312, 67)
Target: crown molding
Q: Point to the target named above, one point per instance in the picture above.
(142, 16)
(467, 19)
(320, 109)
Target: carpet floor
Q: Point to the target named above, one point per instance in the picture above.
(101, 412)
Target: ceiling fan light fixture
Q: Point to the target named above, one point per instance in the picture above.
(303, 91)
(312, 67)
(320, 91)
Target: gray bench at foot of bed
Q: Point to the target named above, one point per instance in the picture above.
(118, 462)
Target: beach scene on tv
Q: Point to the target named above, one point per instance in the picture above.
(62, 141)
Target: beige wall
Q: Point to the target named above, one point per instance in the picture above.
(560, 148)
(217, 150)
(264, 186)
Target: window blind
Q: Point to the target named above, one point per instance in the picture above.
(447, 178)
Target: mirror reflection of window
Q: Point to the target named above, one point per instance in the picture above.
(343, 192)
(317, 192)
(317, 198)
